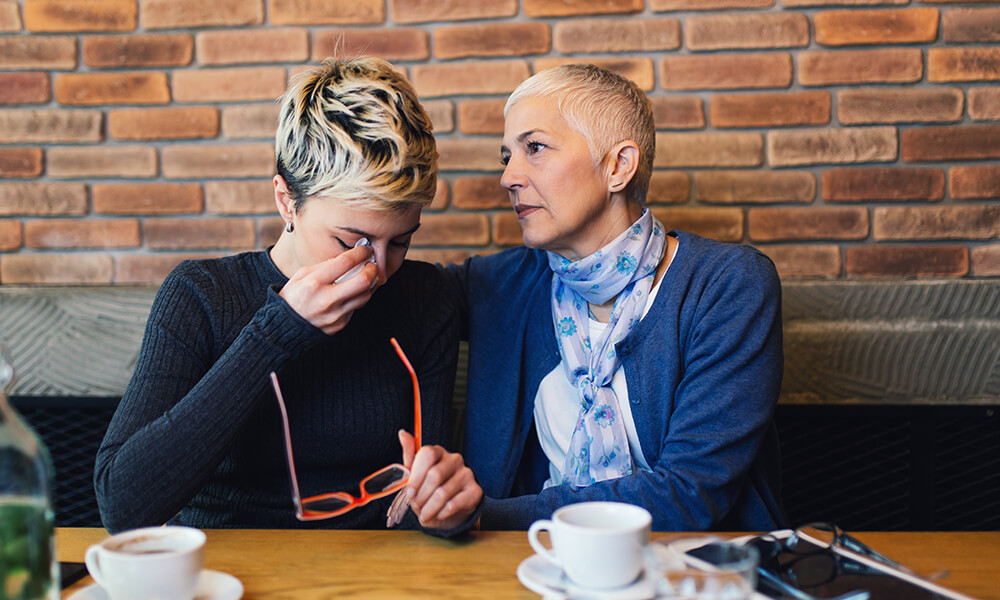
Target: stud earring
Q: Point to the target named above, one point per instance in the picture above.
(289, 227)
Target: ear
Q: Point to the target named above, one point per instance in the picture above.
(283, 198)
(625, 162)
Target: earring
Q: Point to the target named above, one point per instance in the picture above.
(289, 227)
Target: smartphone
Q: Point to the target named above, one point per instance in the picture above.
(70, 573)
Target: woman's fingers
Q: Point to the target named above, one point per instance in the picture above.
(312, 293)
(442, 489)
(409, 447)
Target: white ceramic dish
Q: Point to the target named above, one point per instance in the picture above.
(212, 585)
(542, 577)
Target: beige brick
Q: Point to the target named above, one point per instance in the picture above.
(878, 26)
(818, 146)
(140, 269)
(101, 161)
(37, 52)
(229, 84)
(939, 222)
(20, 162)
(883, 184)
(170, 123)
(616, 35)
(268, 231)
(888, 65)
(979, 181)
(185, 14)
(424, 11)
(723, 224)
(56, 269)
(881, 105)
(506, 230)
(232, 47)
(196, 161)
(89, 89)
(986, 260)
(726, 71)
(202, 233)
(963, 64)
(481, 116)
(440, 201)
(444, 257)
(10, 235)
(808, 223)
(668, 187)
(49, 125)
(748, 30)
(472, 154)
(561, 8)
(10, 17)
(24, 88)
(968, 142)
(471, 77)
(665, 5)
(143, 50)
(708, 150)
(42, 199)
(678, 112)
(804, 3)
(327, 12)
(146, 198)
(390, 43)
(452, 230)
(65, 16)
(770, 109)
(805, 261)
(495, 39)
(441, 113)
(907, 261)
(984, 103)
(79, 233)
(639, 70)
(757, 187)
(240, 197)
(965, 25)
(473, 193)
(250, 121)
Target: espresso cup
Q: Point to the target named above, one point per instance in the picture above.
(153, 563)
(599, 545)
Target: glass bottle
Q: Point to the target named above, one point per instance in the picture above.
(28, 563)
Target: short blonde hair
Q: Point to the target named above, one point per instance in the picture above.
(603, 106)
(354, 130)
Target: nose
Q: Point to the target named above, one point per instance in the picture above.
(512, 178)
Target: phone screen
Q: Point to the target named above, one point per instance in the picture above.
(70, 573)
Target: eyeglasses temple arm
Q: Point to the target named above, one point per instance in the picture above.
(417, 428)
(288, 444)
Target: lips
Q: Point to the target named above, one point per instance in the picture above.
(522, 209)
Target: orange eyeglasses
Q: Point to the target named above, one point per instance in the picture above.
(379, 484)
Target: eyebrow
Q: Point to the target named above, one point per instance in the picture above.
(368, 235)
(520, 138)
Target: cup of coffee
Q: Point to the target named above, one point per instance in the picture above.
(149, 564)
(599, 545)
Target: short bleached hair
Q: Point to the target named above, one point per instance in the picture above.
(354, 130)
(604, 107)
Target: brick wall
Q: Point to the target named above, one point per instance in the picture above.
(845, 138)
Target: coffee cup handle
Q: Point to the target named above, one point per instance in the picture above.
(92, 559)
(533, 531)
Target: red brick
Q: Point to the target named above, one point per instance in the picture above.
(808, 223)
(170, 123)
(726, 71)
(967, 142)
(101, 161)
(971, 25)
(678, 112)
(975, 182)
(883, 184)
(149, 50)
(89, 89)
(202, 233)
(146, 198)
(741, 187)
(963, 64)
(186, 14)
(24, 88)
(986, 260)
(49, 125)
(64, 16)
(327, 12)
(390, 43)
(196, 161)
(138, 269)
(802, 3)
(884, 26)
(240, 197)
(881, 105)
(471, 154)
(747, 30)
(907, 261)
(770, 109)
(250, 121)
(723, 224)
(42, 199)
(441, 113)
(452, 230)
(20, 162)
(615, 35)
(562, 8)
(252, 46)
(37, 52)
(665, 5)
(709, 150)
(229, 85)
(506, 230)
(10, 235)
(425, 11)
(10, 17)
(941, 222)
(497, 39)
(817, 146)
(984, 103)
(481, 116)
(440, 201)
(888, 65)
(668, 187)
(472, 77)
(445, 257)
(472, 193)
(56, 269)
(805, 261)
(77, 233)
(639, 70)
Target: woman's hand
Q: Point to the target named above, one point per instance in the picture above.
(312, 293)
(442, 491)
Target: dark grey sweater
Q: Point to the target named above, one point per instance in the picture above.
(197, 438)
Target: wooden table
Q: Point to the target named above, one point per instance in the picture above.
(307, 565)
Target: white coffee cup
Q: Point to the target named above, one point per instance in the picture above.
(599, 545)
(153, 563)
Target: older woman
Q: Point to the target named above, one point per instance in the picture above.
(198, 436)
(612, 359)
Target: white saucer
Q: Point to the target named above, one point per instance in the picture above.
(542, 577)
(212, 585)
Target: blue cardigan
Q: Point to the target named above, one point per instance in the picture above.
(703, 370)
